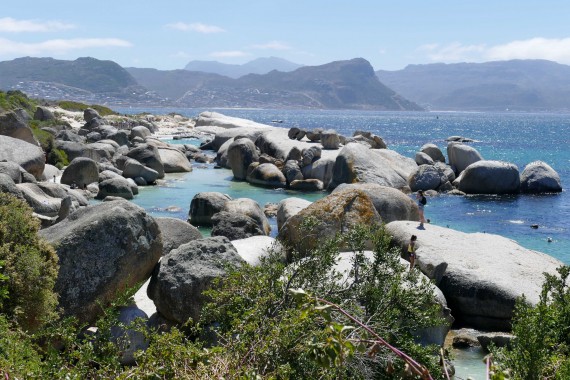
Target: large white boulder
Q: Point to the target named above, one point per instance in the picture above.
(253, 248)
(335, 213)
(390, 203)
(173, 160)
(357, 163)
(481, 275)
(28, 156)
(433, 152)
(539, 177)
(461, 156)
(490, 177)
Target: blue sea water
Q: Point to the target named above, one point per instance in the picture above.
(519, 138)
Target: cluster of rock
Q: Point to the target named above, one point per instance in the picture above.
(323, 159)
(301, 160)
(104, 161)
(469, 173)
(233, 218)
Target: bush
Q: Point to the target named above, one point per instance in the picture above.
(12, 100)
(54, 156)
(263, 332)
(255, 328)
(30, 265)
(19, 355)
(58, 158)
(76, 106)
(541, 349)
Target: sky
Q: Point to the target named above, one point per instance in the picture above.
(391, 34)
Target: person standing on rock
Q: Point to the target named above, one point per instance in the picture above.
(421, 203)
(412, 251)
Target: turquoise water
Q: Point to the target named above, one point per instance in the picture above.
(173, 196)
(519, 138)
(469, 363)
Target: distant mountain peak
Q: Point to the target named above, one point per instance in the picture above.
(262, 65)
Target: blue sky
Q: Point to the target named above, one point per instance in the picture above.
(390, 34)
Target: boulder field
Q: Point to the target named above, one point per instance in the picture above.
(106, 247)
(314, 160)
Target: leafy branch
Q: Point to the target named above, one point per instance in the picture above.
(336, 348)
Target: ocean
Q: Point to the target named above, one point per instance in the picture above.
(519, 138)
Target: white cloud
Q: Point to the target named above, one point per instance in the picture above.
(8, 47)
(195, 27)
(8, 24)
(554, 49)
(536, 48)
(229, 54)
(273, 45)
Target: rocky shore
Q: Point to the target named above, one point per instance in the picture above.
(107, 246)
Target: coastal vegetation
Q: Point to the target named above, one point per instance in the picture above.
(28, 266)
(270, 321)
(78, 106)
(541, 349)
(54, 156)
(11, 100)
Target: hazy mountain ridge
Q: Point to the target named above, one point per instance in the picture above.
(529, 85)
(89, 74)
(257, 66)
(337, 85)
(82, 79)
(343, 84)
(526, 85)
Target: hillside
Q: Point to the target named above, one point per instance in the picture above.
(527, 85)
(82, 79)
(337, 85)
(257, 66)
(173, 84)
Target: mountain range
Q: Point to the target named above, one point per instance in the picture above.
(526, 85)
(348, 84)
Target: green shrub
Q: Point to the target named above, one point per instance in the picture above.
(19, 355)
(76, 106)
(255, 328)
(541, 349)
(14, 99)
(58, 158)
(264, 333)
(45, 138)
(30, 265)
(54, 156)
